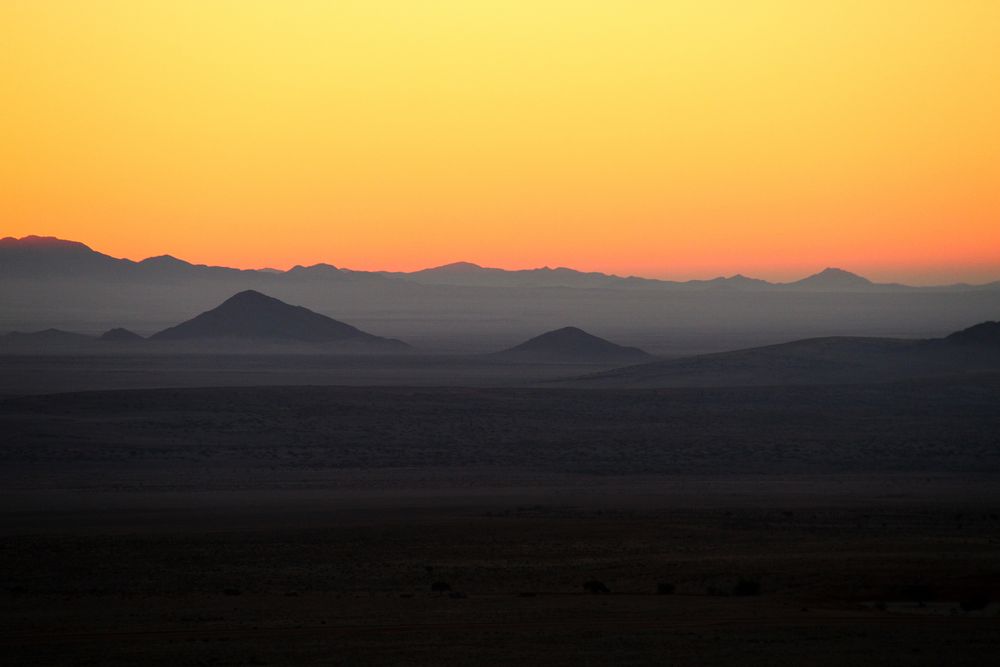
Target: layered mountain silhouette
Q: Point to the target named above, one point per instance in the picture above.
(572, 345)
(829, 360)
(252, 316)
(46, 257)
(462, 307)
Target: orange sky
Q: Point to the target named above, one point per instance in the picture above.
(675, 139)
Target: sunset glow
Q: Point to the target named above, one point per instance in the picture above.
(669, 139)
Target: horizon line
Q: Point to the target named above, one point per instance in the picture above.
(475, 265)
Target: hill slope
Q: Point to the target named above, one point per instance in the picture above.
(814, 361)
(572, 345)
(984, 334)
(832, 279)
(252, 316)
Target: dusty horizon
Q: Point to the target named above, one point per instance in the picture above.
(979, 275)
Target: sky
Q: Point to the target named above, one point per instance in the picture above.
(672, 139)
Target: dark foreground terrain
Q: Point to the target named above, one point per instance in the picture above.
(332, 525)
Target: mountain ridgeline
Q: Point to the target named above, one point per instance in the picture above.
(465, 308)
(42, 258)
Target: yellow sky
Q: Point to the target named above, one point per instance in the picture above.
(678, 139)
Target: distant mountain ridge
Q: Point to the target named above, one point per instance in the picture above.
(463, 307)
(40, 257)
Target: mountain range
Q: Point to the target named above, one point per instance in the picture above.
(249, 319)
(43, 257)
(464, 308)
(253, 322)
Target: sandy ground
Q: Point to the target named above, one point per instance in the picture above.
(853, 572)
(270, 526)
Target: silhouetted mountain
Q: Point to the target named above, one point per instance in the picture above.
(467, 308)
(165, 262)
(736, 282)
(47, 257)
(831, 360)
(314, 271)
(50, 243)
(120, 335)
(41, 257)
(985, 334)
(252, 316)
(456, 269)
(832, 279)
(572, 345)
(466, 274)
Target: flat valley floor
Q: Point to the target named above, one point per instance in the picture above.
(372, 526)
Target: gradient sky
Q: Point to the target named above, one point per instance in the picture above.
(675, 139)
